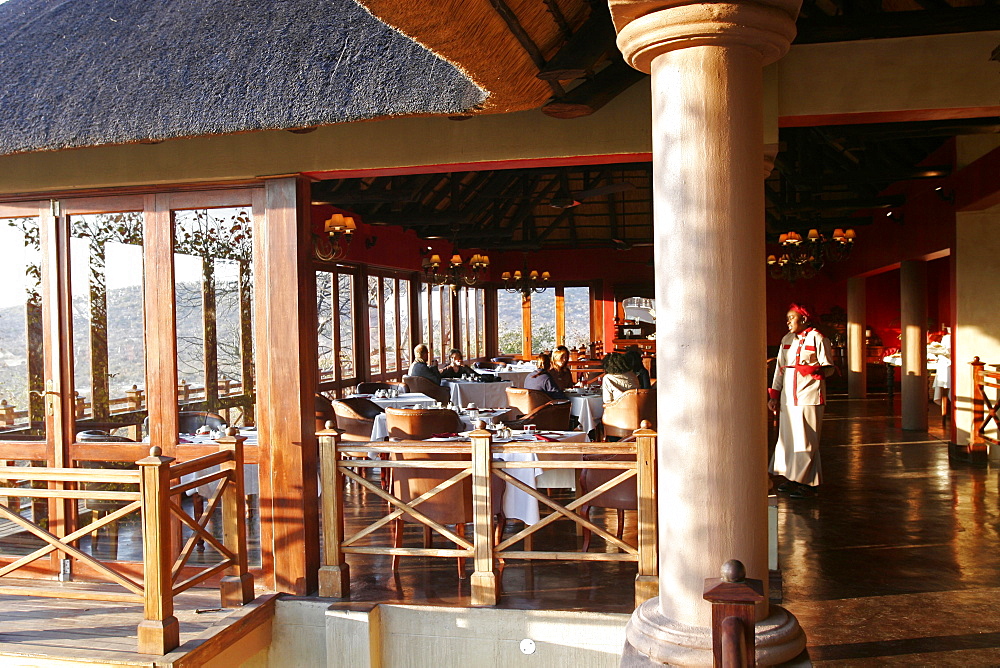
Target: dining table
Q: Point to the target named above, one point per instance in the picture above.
(401, 400)
(251, 483)
(380, 430)
(481, 395)
(515, 374)
(587, 407)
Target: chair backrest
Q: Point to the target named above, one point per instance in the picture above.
(355, 418)
(98, 436)
(416, 424)
(371, 387)
(428, 387)
(553, 415)
(525, 400)
(324, 411)
(624, 415)
(489, 366)
(624, 495)
(188, 422)
(449, 506)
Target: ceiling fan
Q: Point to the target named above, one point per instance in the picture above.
(564, 199)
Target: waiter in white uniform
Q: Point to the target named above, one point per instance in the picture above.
(798, 395)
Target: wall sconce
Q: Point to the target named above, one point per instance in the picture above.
(895, 217)
(333, 244)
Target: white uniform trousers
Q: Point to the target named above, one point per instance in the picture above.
(796, 456)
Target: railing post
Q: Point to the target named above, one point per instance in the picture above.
(134, 397)
(976, 441)
(79, 405)
(647, 582)
(236, 587)
(158, 631)
(334, 573)
(484, 578)
(183, 391)
(6, 414)
(733, 598)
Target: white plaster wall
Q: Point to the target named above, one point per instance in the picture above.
(311, 634)
(977, 304)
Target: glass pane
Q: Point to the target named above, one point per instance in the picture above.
(435, 342)
(425, 316)
(463, 321)
(326, 354)
(22, 416)
(345, 302)
(229, 343)
(481, 320)
(509, 322)
(106, 287)
(404, 325)
(577, 305)
(389, 318)
(446, 324)
(374, 330)
(543, 321)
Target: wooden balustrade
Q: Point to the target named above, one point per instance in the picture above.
(158, 495)
(733, 597)
(984, 409)
(334, 575)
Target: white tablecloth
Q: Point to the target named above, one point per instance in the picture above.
(404, 400)
(516, 378)
(587, 408)
(380, 430)
(483, 395)
(562, 478)
(251, 485)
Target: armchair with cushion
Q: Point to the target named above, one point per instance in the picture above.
(552, 416)
(623, 496)
(428, 387)
(188, 422)
(355, 418)
(417, 424)
(624, 415)
(526, 401)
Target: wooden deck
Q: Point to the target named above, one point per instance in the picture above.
(36, 631)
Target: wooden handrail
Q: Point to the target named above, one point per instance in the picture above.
(733, 597)
(334, 574)
(158, 632)
(984, 411)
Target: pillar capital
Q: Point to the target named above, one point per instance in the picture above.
(649, 28)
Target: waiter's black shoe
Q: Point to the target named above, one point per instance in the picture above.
(803, 492)
(788, 486)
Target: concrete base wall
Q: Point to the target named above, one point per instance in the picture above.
(312, 633)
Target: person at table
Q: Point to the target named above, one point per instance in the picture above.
(634, 356)
(798, 396)
(618, 376)
(560, 371)
(455, 368)
(542, 379)
(420, 366)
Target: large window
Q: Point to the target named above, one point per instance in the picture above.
(471, 322)
(562, 315)
(509, 330)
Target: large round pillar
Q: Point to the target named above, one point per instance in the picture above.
(913, 343)
(857, 367)
(706, 64)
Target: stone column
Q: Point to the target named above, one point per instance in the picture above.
(857, 369)
(913, 342)
(706, 64)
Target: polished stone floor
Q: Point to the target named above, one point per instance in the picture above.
(896, 561)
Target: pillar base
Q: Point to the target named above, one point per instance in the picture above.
(654, 640)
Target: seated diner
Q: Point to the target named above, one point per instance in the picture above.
(560, 371)
(618, 376)
(421, 366)
(542, 379)
(456, 367)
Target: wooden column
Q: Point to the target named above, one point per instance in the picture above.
(285, 337)
(913, 326)
(526, 327)
(857, 368)
(484, 578)
(334, 574)
(646, 580)
(236, 588)
(706, 64)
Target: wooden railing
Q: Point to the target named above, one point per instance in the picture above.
(984, 409)
(165, 569)
(481, 466)
(733, 597)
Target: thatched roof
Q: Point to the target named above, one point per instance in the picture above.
(91, 72)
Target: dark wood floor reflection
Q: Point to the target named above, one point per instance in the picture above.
(895, 562)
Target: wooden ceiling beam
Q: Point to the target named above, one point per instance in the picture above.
(585, 49)
(591, 95)
(522, 36)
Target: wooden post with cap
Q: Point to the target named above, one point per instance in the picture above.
(646, 580)
(733, 598)
(334, 573)
(158, 631)
(976, 441)
(236, 587)
(484, 577)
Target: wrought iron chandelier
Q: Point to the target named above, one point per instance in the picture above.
(802, 258)
(526, 283)
(457, 273)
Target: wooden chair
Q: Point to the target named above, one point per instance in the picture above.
(624, 415)
(102, 507)
(526, 401)
(487, 366)
(428, 387)
(554, 416)
(355, 418)
(371, 388)
(623, 496)
(417, 424)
